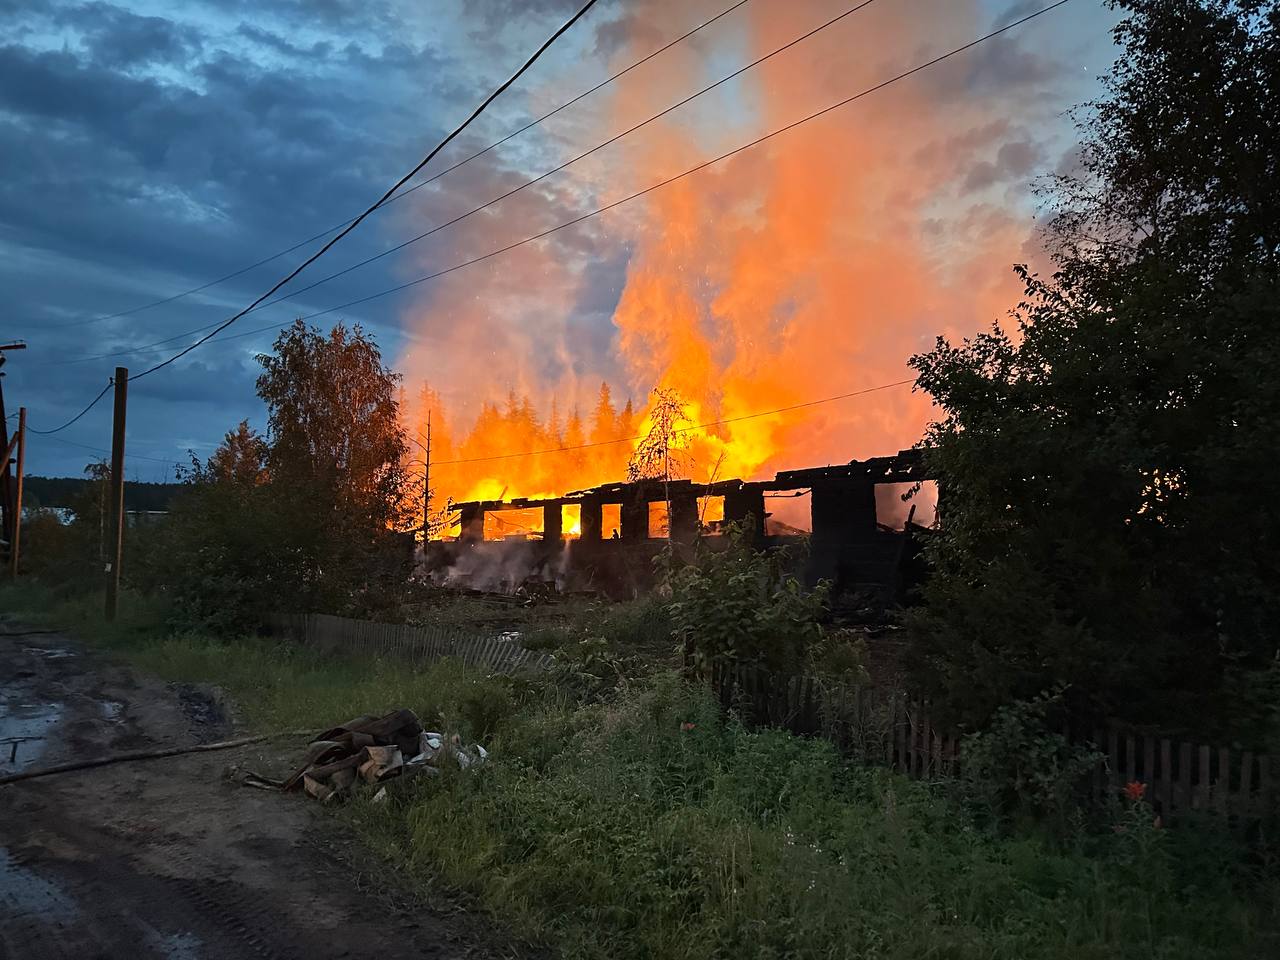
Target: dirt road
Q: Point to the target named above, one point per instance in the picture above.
(169, 858)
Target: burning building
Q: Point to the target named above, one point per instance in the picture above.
(605, 538)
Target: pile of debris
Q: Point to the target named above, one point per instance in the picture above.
(374, 750)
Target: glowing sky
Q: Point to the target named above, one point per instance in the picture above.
(146, 148)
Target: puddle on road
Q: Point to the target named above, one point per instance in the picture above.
(29, 724)
(24, 891)
(49, 653)
(111, 710)
(176, 946)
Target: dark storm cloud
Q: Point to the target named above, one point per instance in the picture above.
(120, 38)
(142, 154)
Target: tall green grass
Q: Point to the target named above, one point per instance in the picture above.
(617, 831)
(650, 826)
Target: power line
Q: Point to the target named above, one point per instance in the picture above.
(417, 186)
(657, 186)
(496, 200)
(92, 403)
(700, 426)
(132, 456)
(383, 199)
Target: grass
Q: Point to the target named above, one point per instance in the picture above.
(615, 830)
(647, 825)
(275, 685)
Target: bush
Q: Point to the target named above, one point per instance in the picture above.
(736, 605)
(1019, 767)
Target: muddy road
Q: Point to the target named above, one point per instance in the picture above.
(170, 858)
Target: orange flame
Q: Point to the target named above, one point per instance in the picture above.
(809, 267)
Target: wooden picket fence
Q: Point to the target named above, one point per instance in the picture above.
(887, 727)
(873, 724)
(412, 643)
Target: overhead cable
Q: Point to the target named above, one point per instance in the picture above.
(383, 199)
(657, 186)
(417, 186)
(293, 294)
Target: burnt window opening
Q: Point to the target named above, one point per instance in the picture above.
(571, 521)
(711, 522)
(659, 527)
(921, 505)
(610, 521)
(513, 524)
(788, 513)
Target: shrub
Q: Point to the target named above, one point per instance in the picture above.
(737, 605)
(1020, 767)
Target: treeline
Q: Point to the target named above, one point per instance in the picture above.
(67, 491)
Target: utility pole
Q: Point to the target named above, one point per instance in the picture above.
(426, 487)
(6, 479)
(17, 495)
(116, 503)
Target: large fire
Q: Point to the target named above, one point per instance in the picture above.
(809, 267)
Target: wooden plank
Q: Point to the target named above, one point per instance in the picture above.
(926, 742)
(1202, 779)
(1098, 767)
(912, 715)
(1149, 766)
(1265, 803)
(898, 731)
(1130, 759)
(1113, 761)
(1245, 804)
(1166, 778)
(1222, 785)
(1185, 797)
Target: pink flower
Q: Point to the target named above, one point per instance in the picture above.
(687, 726)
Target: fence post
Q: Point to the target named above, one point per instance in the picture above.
(1166, 779)
(1098, 767)
(1246, 783)
(1264, 786)
(1186, 798)
(1113, 761)
(900, 733)
(1222, 786)
(1202, 779)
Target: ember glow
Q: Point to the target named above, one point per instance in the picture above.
(811, 266)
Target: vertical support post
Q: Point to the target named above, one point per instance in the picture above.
(6, 504)
(6, 476)
(426, 486)
(116, 554)
(17, 493)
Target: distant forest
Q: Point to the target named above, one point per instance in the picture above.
(64, 491)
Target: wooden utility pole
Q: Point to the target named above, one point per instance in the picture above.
(6, 478)
(426, 487)
(17, 493)
(116, 503)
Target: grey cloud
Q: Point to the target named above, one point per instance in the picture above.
(1014, 161)
(121, 38)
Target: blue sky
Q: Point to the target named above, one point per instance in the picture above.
(147, 147)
